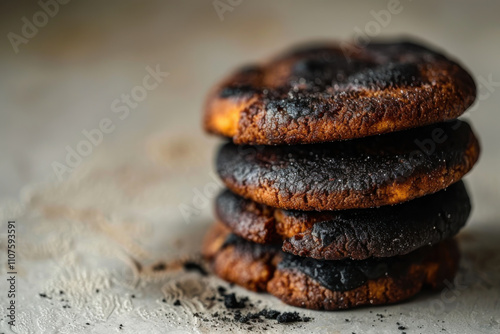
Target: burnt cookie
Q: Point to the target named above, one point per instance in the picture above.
(331, 285)
(334, 92)
(246, 264)
(357, 234)
(296, 286)
(359, 173)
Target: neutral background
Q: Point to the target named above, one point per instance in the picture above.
(157, 162)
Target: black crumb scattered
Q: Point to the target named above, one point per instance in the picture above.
(347, 320)
(401, 328)
(61, 292)
(133, 296)
(159, 267)
(43, 295)
(193, 266)
(164, 300)
(96, 290)
(230, 301)
(245, 314)
(286, 317)
(270, 314)
(87, 323)
(121, 326)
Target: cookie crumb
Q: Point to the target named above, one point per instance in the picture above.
(193, 266)
(230, 301)
(286, 317)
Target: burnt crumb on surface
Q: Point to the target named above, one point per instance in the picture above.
(230, 301)
(221, 290)
(270, 314)
(193, 266)
(286, 317)
(227, 307)
(159, 267)
(240, 311)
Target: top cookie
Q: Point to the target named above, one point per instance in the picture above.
(334, 92)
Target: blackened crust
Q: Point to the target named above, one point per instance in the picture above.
(357, 233)
(260, 270)
(361, 173)
(337, 91)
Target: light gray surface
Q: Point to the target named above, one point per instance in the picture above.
(121, 204)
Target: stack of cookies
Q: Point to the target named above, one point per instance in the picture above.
(342, 173)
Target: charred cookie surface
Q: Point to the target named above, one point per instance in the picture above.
(331, 285)
(362, 173)
(350, 234)
(338, 91)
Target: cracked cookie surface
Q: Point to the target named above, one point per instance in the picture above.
(334, 92)
(357, 233)
(359, 173)
(328, 285)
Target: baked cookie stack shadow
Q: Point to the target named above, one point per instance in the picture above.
(343, 173)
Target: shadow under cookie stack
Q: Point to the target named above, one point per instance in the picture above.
(343, 174)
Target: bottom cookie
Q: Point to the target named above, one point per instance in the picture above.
(328, 285)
